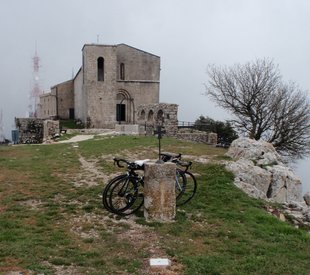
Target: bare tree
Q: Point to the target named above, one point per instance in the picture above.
(262, 105)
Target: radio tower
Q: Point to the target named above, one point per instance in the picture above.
(35, 91)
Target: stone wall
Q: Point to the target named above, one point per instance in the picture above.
(30, 130)
(138, 65)
(80, 108)
(58, 102)
(36, 130)
(65, 99)
(199, 137)
(140, 84)
(47, 106)
(100, 96)
(50, 129)
(150, 116)
(127, 129)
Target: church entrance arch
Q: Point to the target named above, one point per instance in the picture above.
(124, 107)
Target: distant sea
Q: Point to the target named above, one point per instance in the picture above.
(303, 171)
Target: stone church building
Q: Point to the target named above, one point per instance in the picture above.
(107, 90)
(117, 87)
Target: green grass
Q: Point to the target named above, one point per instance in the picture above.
(70, 124)
(221, 231)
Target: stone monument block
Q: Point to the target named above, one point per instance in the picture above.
(159, 191)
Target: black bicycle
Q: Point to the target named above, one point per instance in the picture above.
(123, 195)
(187, 191)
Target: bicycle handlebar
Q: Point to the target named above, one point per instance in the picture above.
(170, 156)
(130, 165)
(175, 158)
(117, 162)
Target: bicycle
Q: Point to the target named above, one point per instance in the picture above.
(188, 190)
(123, 195)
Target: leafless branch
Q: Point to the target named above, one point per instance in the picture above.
(262, 105)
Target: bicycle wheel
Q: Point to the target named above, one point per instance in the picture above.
(107, 190)
(125, 197)
(180, 183)
(189, 189)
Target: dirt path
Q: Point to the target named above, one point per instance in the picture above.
(77, 138)
(141, 237)
(90, 225)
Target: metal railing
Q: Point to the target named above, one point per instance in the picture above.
(186, 124)
(193, 125)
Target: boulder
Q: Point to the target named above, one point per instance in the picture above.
(261, 152)
(307, 198)
(260, 172)
(307, 216)
(252, 179)
(285, 186)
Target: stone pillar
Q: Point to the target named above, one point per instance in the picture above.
(50, 129)
(212, 138)
(159, 191)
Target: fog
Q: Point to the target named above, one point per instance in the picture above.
(187, 35)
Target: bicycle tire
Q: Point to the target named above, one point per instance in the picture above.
(107, 189)
(180, 183)
(190, 189)
(125, 197)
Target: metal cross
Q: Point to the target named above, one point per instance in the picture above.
(159, 134)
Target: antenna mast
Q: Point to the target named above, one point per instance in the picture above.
(36, 90)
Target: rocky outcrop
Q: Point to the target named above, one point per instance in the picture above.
(296, 213)
(260, 172)
(307, 198)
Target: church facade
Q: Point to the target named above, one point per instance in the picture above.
(111, 83)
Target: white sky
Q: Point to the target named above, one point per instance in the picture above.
(187, 35)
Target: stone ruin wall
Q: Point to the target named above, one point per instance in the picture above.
(149, 116)
(198, 136)
(36, 130)
(30, 130)
(51, 129)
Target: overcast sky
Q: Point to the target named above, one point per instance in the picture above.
(187, 35)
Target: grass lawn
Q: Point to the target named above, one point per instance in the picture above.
(52, 220)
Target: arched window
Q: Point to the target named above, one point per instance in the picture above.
(100, 68)
(150, 115)
(160, 115)
(142, 115)
(122, 71)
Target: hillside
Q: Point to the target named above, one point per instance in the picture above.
(52, 220)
